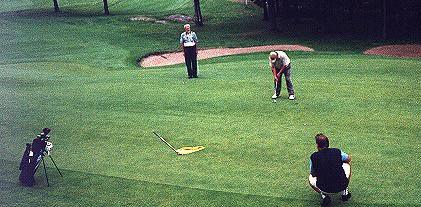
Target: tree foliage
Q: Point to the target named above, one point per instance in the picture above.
(352, 16)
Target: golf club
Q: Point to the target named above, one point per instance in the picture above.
(276, 87)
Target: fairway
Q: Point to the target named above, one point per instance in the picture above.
(77, 74)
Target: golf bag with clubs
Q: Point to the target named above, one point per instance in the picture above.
(32, 156)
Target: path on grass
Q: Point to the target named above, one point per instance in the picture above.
(177, 57)
(407, 51)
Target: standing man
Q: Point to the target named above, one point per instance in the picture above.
(281, 64)
(188, 42)
(330, 171)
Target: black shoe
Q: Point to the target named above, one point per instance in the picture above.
(195, 76)
(190, 77)
(325, 201)
(346, 197)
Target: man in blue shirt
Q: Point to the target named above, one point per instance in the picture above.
(330, 171)
(188, 42)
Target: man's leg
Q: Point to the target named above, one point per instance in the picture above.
(278, 86)
(347, 169)
(187, 58)
(345, 193)
(194, 61)
(325, 198)
(312, 181)
(290, 87)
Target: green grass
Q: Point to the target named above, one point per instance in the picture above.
(77, 74)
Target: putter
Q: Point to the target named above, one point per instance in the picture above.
(276, 87)
(168, 144)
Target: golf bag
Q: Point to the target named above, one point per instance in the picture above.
(32, 157)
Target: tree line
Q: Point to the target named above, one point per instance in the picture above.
(384, 18)
(196, 3)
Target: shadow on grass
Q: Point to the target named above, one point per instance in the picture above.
(78, 188)
(85, 189)
(51, 13)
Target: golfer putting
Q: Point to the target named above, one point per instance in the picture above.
(280, 64)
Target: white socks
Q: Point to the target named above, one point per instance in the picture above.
(345, 192)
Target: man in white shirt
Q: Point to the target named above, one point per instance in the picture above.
(188, 41)
(281, 64)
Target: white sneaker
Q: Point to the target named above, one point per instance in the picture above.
(291, 97)
(274, 96)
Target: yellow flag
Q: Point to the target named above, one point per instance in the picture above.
(188, 150)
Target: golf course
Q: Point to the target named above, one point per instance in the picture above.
(77, 73)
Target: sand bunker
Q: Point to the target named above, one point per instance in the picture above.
(407, 51)
(177, 57)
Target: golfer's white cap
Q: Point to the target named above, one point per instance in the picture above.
(273, 54)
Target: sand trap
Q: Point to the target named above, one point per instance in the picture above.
(407, 51)
(177, 57)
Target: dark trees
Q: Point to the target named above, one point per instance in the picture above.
(197, 13)
(369, 18)
(106, 11)
(56, 7)
(271, 4)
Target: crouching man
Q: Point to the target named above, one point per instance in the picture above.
(330, 171)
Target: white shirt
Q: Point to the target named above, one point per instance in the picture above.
(283, 57)
(188, 40)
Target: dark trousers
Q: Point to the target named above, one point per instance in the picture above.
(290, 87)
(190, 57)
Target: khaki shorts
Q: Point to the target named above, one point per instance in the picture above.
(345, 166)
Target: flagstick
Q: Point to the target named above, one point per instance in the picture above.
(162, 139)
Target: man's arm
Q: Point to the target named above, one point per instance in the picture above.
(196, 48)
(181, 41)
(312, 170)
(285, 61)
(182, 48)
(195, 41)
(275, 76)
(345, 157)
(280, 71)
